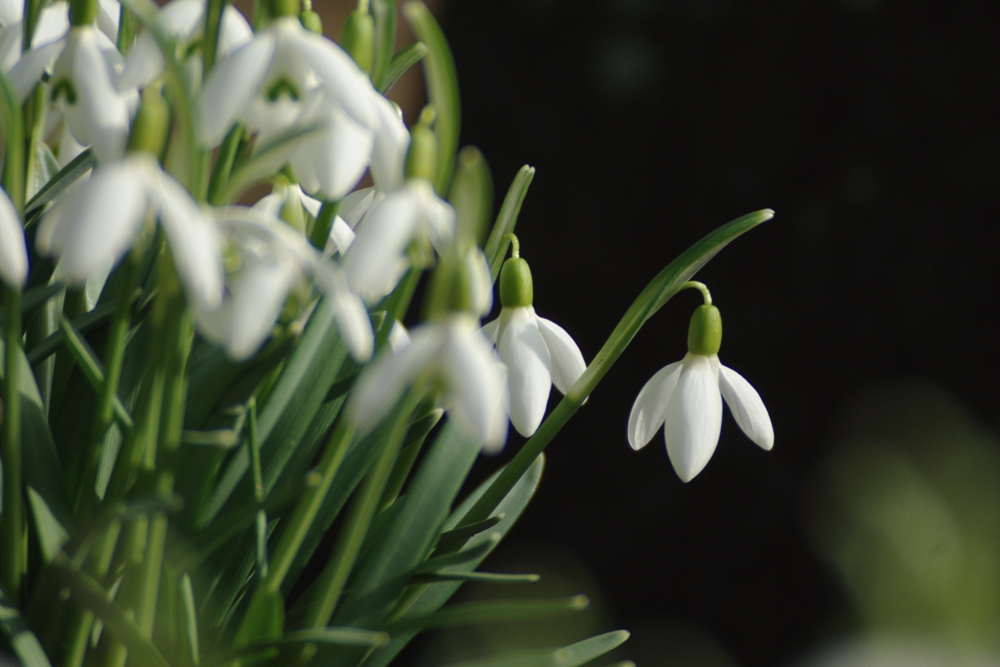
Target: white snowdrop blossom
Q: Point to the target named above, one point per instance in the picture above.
(85, 84)
(182, 21)
(454, 352)
(53, 23)
(377, 258)
(95, 224)
(271, 260)
(686, 399)
(538, 354)
(13, 252)
(341, 234)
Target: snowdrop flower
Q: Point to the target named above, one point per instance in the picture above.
(272, 259)
(283, 196)
(686, 397)
(453, 352)
(85, 83)
(53, 23)
(537, 351)
(13, 252)
(98, 222)
(183, 21)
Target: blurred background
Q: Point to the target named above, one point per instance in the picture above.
(864, 313)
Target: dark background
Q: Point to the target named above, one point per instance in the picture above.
(870, 127)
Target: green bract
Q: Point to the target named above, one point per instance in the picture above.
(705, 331)
(516, 288)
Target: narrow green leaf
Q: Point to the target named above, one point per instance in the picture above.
(265, 619)
(492, 611)
(323, 636)
(92, 368)
(442, 88)
(400, 63)
(497, 244)
(574, 655)
(474, 553)
(423, 600)
(190, 616)
(66, 177)
(267, 160)
(226, 438)
(465, 532)
(36, 296)
(384, 13)
(82, 325)
(22, 640)
(51, 534)
(480, 577)
(92, 596)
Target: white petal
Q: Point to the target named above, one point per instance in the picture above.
(53, 24)
(354, 206)
(29, 69)
(567, 360)
(391, 143)
(13, 252)
(10, 45)
(234, 32)
(259, 294)
(338, 155)
(399, 337)
(372, 263)
(523, 350)
(490, 330)
(310, 204)
(694, 417)
(11, 11)
(271, 204)
(108, 13)
(437, 215)
(144, 63)
(650, 407)
(747, 407)
(341, 235)
(95, 224)
(481, 281)
(354, 324)
(194, 242)
(230, 87)
(475, 387)
(384, 380)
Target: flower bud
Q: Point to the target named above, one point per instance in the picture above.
(311, 21)
(421, 158)
(705, 331)
(82, 12)
(152, 123)
(358, 39)
(516, 287)
(281, 8)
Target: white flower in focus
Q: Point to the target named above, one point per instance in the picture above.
(95, 224)
(13, 252)
(272, 259)
(377, 258)
(183, 21)
(454, 352)
(686, 399)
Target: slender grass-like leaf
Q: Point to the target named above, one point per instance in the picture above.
(189, 612)
(574, 655)
(82, 324)
(479, 577)
(66, 177)
(22, 640)
(442, 89)
(225, 438)
(328, 636)
(265, 619)
(384, 13)
(492, 611)
(497, 243)
(423, 600)
(465, 532)
(400, 63)
(92, 368)
(36, 296)
(474, 553)
(51, 534)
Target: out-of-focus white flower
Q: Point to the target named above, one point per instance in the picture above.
(377, 258)
(686, 398)
(341, 234)
(454, 352)
(183, 21)
(53, 23)
(85, 83)
(13, 252)
(272, 259)
(97, 223)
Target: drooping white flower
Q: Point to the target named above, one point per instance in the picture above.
(13, 252)
(686, 399)
(341, 234)
(85, 83)
(97, 223)
(454, 352)
(271, 259)
(53, 23)
(538, 352)
(182, 21)
(377, 258)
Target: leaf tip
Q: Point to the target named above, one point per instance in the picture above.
(579, 602)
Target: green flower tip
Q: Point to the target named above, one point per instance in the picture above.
(421, 159)
(281, 8)
(516, 287)
(152, 123)
(311, 21)
(705, 332)
(358, 39)
(82, 12)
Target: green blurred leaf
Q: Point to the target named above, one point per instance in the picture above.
(479, 577)
(24, 642)
(51, 534)
(189, 612)
(497, 243)
(423, 600)
(442, 89)
(474, 553)
(400, 63)
(465, 532)
(472, 194)
(66, 177)
(265, 619)
(82, 324)
(574, 655)
(384, 13)
(492, 611)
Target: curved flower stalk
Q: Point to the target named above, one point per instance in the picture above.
(97, 223)
(538, 352)
(686, 399)
(271, 260)
(452, 352)
(85, 84)
(183, 21)
(13, 252)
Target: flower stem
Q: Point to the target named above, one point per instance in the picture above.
(515, 245)
(320, 231)
(12, 528)
(701, 287)
(210, 43)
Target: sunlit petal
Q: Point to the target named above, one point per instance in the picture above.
(524, 351)
(13, 252)
(567, 360)
(650, 407)
(230, 86)
(747, 407)
(694, 417)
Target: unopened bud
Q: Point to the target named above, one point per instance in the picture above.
(311, 21)
(516, 287)
(705, 331)
(421, 158)
(281, 8)
(358, 39)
